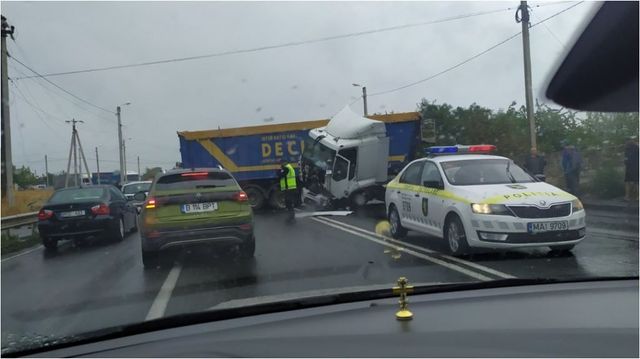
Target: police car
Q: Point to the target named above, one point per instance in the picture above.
(474, 199)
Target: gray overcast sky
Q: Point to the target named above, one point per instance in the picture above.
(289, 84)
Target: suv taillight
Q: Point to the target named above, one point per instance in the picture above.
(102, 208)
(44, 214)
(150, 203)
(240, 196)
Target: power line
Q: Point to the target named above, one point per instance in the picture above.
(470, 58)
(283, 45)
(59, 87)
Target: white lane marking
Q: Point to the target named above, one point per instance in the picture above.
(427, 250)
(22, 253)
(451, 266)
(162, 299)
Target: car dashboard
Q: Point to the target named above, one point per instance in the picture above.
(588, 318)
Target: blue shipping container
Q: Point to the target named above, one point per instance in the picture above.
(253, 153)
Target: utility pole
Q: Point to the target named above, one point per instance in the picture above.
(46, 169)
(124, 155)
(139, 177)
(98, 164)
(120, 146)
(7, 162)
(524, 19)
(75, 143)
(364, 99)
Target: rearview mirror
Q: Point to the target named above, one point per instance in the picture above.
(433, 184)
(140, 196)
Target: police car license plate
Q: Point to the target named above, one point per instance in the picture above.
(71, 214)
(199, 207)
(539, 227)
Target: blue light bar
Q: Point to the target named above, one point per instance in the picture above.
(442, 149)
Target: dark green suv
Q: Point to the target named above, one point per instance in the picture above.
(194, 207)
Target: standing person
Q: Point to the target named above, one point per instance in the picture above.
(288, 185)
(571, 166)
(535, 163)
(631, 169)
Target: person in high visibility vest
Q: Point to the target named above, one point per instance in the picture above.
(289, 186)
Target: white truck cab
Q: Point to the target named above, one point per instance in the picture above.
(347, 159)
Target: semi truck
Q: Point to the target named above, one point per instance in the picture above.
(375, 149)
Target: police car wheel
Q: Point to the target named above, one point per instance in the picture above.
(455, 236)
(396, 229)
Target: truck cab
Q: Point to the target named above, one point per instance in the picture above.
(347, 160)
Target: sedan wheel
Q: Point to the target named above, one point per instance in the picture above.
(397, 231)
(456, 238)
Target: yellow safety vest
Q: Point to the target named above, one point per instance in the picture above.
(290, 181)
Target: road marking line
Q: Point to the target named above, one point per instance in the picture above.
(162, 299)
(21, 253)
(451, 266)
(429, 251)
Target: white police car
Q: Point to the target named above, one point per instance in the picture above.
(474, 199)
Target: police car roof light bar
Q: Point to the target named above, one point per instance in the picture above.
(459, 149)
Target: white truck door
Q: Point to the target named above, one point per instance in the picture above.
(340, 177)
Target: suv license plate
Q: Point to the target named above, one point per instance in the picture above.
(71, 214)
(539, 227)
(199, 207)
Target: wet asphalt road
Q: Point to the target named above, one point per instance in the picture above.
(100, 284)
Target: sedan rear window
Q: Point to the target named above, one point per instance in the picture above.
(78, 195)
(136, 187)
(194, 180)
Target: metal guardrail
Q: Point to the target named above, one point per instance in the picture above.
(19, 220)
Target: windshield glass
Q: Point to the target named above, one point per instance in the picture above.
(136, 187)
(317, 153)
(77, 195)
(489, 171)
(290, 146)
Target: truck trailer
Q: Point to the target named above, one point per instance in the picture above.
(252, 154)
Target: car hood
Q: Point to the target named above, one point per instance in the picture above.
(534, 193)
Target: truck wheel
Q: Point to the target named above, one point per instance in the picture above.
(397, 231)
(276, 199)
(358, 200)
(256, 196)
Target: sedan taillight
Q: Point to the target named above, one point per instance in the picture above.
(102, 208)
(241, 196)
(44, 214)
(151, 203)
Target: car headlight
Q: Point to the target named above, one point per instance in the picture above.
(484, 208)
(577, 205)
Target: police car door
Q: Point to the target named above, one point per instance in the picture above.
(429, 202)
(406, 194)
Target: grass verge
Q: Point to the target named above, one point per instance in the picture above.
(10, 244)
(26, 201)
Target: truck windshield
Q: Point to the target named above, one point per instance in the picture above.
(318, 153)
(489, 171)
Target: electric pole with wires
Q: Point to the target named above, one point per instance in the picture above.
(73, 151)
(522, 16)
(7, 162)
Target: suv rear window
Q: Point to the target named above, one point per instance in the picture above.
(78, 195)
(194, 180)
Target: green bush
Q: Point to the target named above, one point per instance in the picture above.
(608, 181)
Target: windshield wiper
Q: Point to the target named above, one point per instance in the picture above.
(206, 186)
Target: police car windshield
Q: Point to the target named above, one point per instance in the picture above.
(484, 171)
